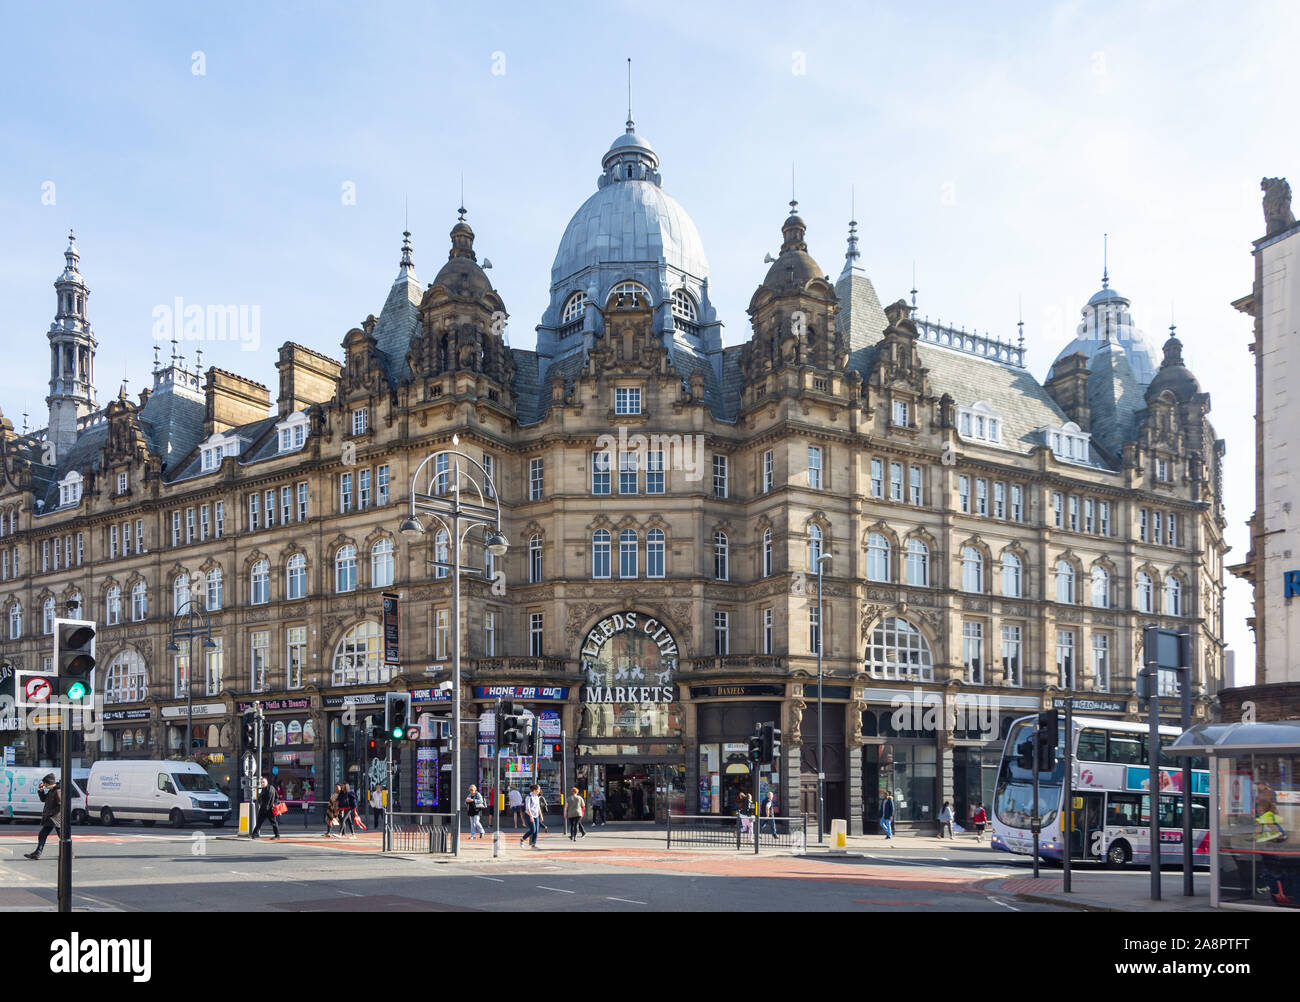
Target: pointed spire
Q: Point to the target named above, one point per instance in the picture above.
(631, 127)
(1020, 322)
(914, 285)
(1105, 264)
(70, 255)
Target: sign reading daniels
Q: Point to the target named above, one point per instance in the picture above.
(627, 659)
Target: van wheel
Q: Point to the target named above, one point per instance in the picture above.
(176, 817)
(106, 816)
(1118, 854)
(79, 817)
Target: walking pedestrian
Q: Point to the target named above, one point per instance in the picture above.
(332, 811)
(267, 798)
(945, 820)
(474, 805)
(377, 807)
(598, 808)
(51, 795)
(533, 809)
(743, 814)
(515, 804)
(979, 819)
(573, 811)
(347, 812)
(768, 811)
(887, 816)
(541, 817)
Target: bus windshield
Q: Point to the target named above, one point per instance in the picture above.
(1013, 799)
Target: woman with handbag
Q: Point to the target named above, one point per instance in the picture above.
(269, 806)
(332, 811)
(347, 812)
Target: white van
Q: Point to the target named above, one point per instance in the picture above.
(176, 792)
(19, 799)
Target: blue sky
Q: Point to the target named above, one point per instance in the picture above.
(990, 146)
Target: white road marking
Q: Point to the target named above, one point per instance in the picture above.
(558, 890)
(626, 901)
(351, 894)
(998, 901)
(479, 876)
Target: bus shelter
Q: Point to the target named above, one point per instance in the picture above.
(1254, 811)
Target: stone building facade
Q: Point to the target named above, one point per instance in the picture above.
(995, 543)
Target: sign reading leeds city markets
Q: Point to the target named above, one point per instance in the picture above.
(618, 676)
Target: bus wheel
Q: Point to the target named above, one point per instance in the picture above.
(1118, 854)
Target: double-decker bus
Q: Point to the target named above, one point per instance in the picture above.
(1109, 819)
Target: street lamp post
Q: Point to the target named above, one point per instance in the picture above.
(452, 513)
(822, 559)
(192, 615)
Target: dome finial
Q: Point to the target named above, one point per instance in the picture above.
(630, 126)
(1105, 266)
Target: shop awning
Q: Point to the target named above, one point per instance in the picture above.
(1239, 738)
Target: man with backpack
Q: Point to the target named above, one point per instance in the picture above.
(474, 805)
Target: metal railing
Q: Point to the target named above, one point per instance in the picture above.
(744, 833)
(419, 833)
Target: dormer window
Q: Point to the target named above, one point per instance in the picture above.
(685, 310)
(627, 400)
(360, 420)
(292, 432)
(980, 423)
(122, 483)
(1067, 442)
(214, 450)
(574, 308)
(624, 295)
(70, 489)
(901, 414)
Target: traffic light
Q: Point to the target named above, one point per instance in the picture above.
(249, 720)
(372, 743)
(74, 658)
(1047, 738)
(512, 731)
(1025, 754)
(397, 715)
(528, 746)
(756, 749)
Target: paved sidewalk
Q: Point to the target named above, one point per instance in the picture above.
(1101, 891)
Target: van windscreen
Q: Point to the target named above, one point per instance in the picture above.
(195, 782)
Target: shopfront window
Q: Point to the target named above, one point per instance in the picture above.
(628, 664)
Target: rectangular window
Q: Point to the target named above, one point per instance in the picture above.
(535, 634)
(1158, 527)
(121, 483)
(769, 471)
(1000, 500)
(627, 400)
(254, 505)
(814, 629)
(972, 651)
(535, 479)
(1162, 470)
(719, 476)
(1101, 661)
(815, 467)
(441, 634)
(205, 522)
(1017, 503)
(900, 413)
(269, 512)
(176, 528)
(627, 472)
(302, 501)
(381, 487)
(600, 473)
(1011, 655)
(1172, 523)
(259, 645)
(721, 633)
(296, 655)
(1074, 513)
(877, 478)
(81, 543)
(917, 495)
(189, 525)
(1142, 525)
(345, 492)
(1065, 658)
(218, 522)
(963, 494)
(1103, 518)
(767, 631)
(981, 496)
(489, 476)
(112, 541)
(1058, 509)
(654, 473)
(363, 490)
(214, 665)
(360, 420)
(895, 481)
(286, 505)
(490, 634)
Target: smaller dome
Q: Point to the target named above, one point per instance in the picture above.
(1107, 295)
(461, 275)
(795, 268)
(1173, 374)
(631, 141)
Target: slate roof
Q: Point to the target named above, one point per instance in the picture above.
(398, 322)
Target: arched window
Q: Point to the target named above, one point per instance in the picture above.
(654, 553)
(1012, 576)
(180, 592)
(574, 308)
(139, 601)
(47, 616)
(627, 554)
(918, 564)
(898, 650)
(767, 553)
(1065, 582)
(1145, 593)
(1173, 596)
(877, 557)
(357, 658)
(259, 583)
(814, 546)
(345, 568)
(684, 307)
(600, 553)
(16, 621)
(1100, 587)
(113, 606)
(126, 680)
(627, 290)
(213, 590)
(381, 564)
(295, 577)
(721, 559)
(972, 569)
(534, 559)
(442, 553)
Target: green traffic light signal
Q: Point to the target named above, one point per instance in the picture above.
(399, 732)
(77, 690)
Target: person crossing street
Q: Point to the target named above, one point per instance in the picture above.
(51, 795)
